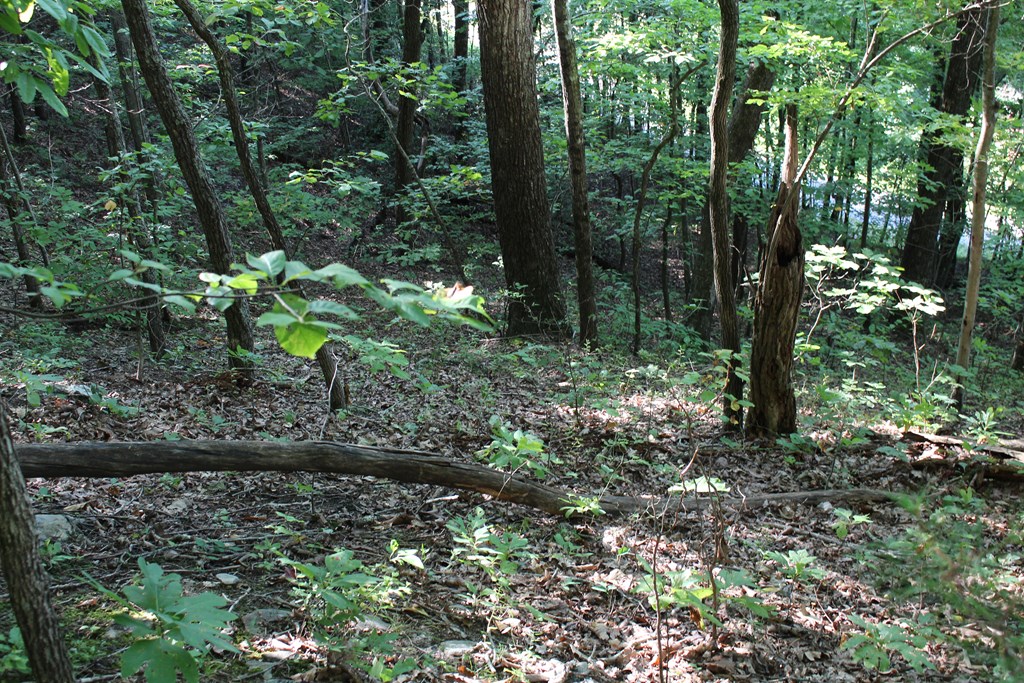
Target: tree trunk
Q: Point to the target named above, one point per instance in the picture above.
(988, 125)
(517, 168)
(942, 160)
(744, 122)
(24, 571)
(460, 47)
(20, 127)
(129, 79)
(954, 222)
(121, 459)
(405, 128)
(777, 305)
(150, 306)
(869, 163)
(718, 202)
(582, 234)
(13, 202)
(186, 151)
(336, 395)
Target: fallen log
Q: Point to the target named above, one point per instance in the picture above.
(122, 459)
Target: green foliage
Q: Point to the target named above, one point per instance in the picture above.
(515, 450)
(692, 589)
(13, 658)
(844, 519)
(172, 632)
(479, 543)
(875, 643)
(958, 568)
(342, 593)
(796, 564)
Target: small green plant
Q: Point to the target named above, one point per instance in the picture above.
(875, 643)
(172, 631)
(844, 519)
(981, 427)
(13, 658)
(478, 543)
(515, 450)
(796, 564)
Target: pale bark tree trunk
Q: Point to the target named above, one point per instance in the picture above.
(336, 394)
(988, 125)
(517, 168)
(186, 151)
(777, 305)
(581, 230)
(24, 572)
(718, 202)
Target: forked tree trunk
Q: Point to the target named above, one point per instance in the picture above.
(718, 202)
(186, 151)
(777, 306)
(581, 231)
(518, 182)
(24, 572)
(336, 394)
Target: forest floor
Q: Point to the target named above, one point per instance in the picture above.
(459, 587)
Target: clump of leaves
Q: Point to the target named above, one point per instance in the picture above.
(173, 632)
(515, 449)
(13, 658)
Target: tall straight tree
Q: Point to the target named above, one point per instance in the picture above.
(988, 127)
(718, 202)
(943, 160)
(582, 237)
(517, 167)
(412, 41)
(186, 151)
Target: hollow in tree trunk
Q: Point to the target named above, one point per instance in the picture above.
(777, 305)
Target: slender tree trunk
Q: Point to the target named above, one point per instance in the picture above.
(517, 168)
(24, 572)
(869, 163)
(582, 238)
(460, 47)
(988, 125)
(777, 306)
(743, 126)
(13, 202)
(20, 128)
(954, 222)
(405, 128)
(943, 160)
(718, 201)
(336, 394)
(129, 79)
(150, 306)
(186, 151)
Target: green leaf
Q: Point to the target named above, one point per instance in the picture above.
(301, 339)
(247, 282)
(26, 83)
(342, 275)
(271, 263)
(51, 99)
(120, 274)
(332, 308)
(277, 318)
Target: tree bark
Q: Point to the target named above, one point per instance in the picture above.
(943, 161)
(13, 202)
(777, 305)
(150, 306)
(405, 127)
(981, 152)
(518, 182)
(186, 151)
(744, 122)
(24, 571)
(718, 202)
(581, 229)
(460, 47)
(129, 80)
(122, 459)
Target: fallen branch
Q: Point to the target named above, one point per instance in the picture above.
(122, 459)
(1006, 449)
